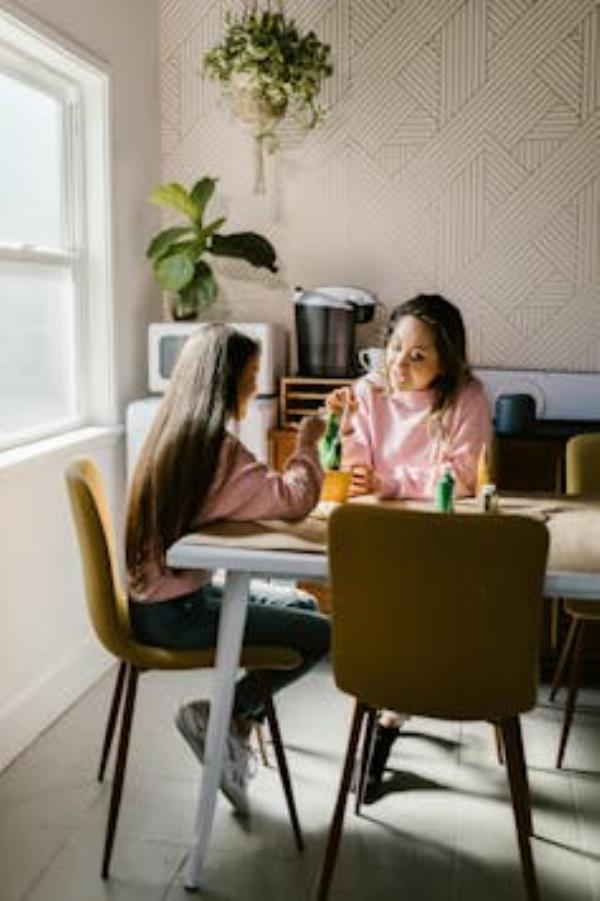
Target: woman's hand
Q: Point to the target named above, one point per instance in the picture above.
(343, 403)
(311, 428)
(364, 480)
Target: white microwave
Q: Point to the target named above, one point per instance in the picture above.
(165, 340)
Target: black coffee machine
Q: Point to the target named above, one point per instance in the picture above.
(325, 329)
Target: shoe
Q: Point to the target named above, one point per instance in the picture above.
(192, 721)
(385, 736)
(239, 766)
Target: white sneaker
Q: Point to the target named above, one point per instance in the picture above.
(192, 721)
(239, 766)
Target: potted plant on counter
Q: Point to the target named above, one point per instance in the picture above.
(269, 69)
(178, 253)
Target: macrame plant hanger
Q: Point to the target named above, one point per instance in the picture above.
(250, 107)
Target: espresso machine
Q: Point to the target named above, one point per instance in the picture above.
(326, 320)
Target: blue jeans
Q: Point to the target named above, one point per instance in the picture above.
(276, 616)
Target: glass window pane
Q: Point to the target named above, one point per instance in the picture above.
(37, 347)
(30, 166)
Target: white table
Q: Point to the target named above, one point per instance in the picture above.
(242, 564)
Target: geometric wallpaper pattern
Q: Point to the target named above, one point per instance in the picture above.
(461, 154)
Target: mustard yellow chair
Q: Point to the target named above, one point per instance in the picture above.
(582, 477)
(449, 627)
(108, 609)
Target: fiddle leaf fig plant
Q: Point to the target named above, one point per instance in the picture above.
(269, 69)
(178, 252)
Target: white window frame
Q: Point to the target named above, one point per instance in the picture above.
(29, 52)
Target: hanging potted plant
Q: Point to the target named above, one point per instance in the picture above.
(268, 69)
(178, 253)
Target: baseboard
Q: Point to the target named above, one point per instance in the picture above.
(25, 716)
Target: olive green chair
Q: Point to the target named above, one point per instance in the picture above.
(107, 605)
(449, 629)
(582, 477)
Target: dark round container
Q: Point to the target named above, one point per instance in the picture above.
(514, 414)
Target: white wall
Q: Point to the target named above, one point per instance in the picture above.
(48, 655)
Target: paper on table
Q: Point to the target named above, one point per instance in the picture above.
(573, 524)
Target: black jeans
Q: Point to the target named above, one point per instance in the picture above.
(276, 616)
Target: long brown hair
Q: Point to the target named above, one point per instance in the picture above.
(448, 330)
(179, 457)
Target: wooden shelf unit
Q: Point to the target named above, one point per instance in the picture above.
(301, 396)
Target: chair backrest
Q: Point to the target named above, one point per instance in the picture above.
(437, 614)
(583, 464)
(106, 600)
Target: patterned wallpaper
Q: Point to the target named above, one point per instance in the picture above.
(461, 154)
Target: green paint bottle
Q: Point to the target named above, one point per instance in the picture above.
(330, 445)
(444, 495)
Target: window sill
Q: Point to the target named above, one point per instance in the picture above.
(36, 452)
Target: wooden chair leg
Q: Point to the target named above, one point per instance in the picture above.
(112, 719)
(365, 758)
(498, 742)
(117, 789)
(574, 682)
(555, 608)
(284, 772)
(262, 745)
(337, 822)
(564, 656)
(519, 790)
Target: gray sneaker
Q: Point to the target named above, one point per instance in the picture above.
(239, 766)
(192, 721)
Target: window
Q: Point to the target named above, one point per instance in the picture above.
(54, 294)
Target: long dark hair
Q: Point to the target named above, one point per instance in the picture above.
(448, 329)
(179, 457)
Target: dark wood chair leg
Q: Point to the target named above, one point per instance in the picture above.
(498, 742)
(365, 758)
(112, 719)
(519, 790)
(574, 682)
(119, 777)
(284, 772)
(337, 822)
(564, 656)
(521, 772)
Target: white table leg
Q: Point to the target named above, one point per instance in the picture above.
(231, 630)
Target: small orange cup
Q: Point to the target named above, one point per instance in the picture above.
(336, 485)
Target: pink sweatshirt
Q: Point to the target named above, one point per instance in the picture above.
(243, 489)
(392, 433)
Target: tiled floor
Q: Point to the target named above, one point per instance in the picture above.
(442, 832)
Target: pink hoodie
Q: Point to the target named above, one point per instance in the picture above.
(392, 433)
(243, 489)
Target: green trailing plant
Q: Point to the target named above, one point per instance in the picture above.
(269, 69)
(178, 252)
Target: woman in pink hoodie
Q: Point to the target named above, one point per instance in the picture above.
(192, 472)
(423, 410)
(402, 426)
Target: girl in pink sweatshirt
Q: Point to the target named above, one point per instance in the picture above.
(401, 426)
(192, 472)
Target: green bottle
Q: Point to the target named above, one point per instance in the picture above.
(444, 495)
(330, 445)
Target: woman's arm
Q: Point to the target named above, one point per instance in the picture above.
(354, 408)
(245, 489)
